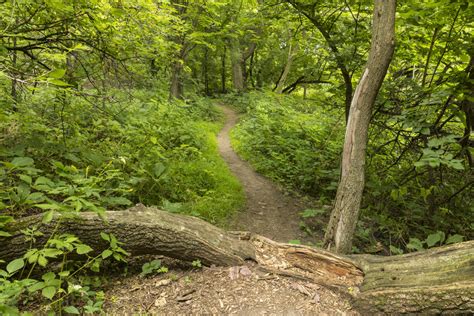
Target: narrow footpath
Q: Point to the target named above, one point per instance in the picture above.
(269, 211)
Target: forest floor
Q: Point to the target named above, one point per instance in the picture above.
(242, 290)
(269, 210)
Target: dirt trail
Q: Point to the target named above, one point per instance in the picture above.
(241, 290)
(269, 212)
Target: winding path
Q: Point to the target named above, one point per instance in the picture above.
(268, 212)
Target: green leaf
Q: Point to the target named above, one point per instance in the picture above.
(59, 83)
(49, 292)
(415, 244)
(106, 253)
(57, 73)
(42, 261)
(15, 265)
(83, 249)
(159, 169)
(47, 217)
(4, 234)
(51, 252)
(295, 242)
(37, 286)
(71, 310)
(48, 276)
(454, 239)
(48, 206)
(105, 236)
(22, 161)
(435, 238)
(25, 178)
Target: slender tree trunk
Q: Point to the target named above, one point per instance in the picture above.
(14, 93)
(237, 69)
(223, 70)
(342, 223)
(291, 55)
(206, 70)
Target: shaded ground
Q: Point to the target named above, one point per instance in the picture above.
(269, 211)
(223, 291)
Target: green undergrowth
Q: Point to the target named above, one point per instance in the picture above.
(293, 141)
(298, 143)
(63, 152)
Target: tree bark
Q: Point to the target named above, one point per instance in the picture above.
(291, 55)
(342, 223)
(223, 70)
(176, 86)
(433, 281)
(237, 66)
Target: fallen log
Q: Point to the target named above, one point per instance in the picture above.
(433, 281)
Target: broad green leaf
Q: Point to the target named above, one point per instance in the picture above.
(51, 252)
(48, 276)
(59, 83)
(37, 286)
(106, 253)
(15, 265)
(83, 249)
(454, 239)
(105, 236)
(47, 217)
(22, 161)
(25, 178)
(435, 238)
(42, 261)
(49, 292)
(71, 310)
(48, 206)
(4, 234)
(57, 73)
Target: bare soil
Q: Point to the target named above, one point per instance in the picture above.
(269, 210)
(243, 290)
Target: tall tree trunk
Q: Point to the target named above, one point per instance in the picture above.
(14, 92)
(342, 223)
(223, 70)
(206, 71)
(291, 55)
(176, 87)
(237, 66)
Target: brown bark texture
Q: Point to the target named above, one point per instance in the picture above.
(436, 280)
(344, 216)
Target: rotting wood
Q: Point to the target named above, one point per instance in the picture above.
(433, 281)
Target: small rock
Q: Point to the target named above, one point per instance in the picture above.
(160, 302)
(163, 282)
(316, 298)
(245, 271)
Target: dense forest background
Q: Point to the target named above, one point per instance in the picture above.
(105, 104)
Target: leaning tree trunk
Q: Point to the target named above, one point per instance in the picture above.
(433, 281)
(291, 55)
(344, 216)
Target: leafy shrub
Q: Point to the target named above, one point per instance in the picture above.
(292, 141)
